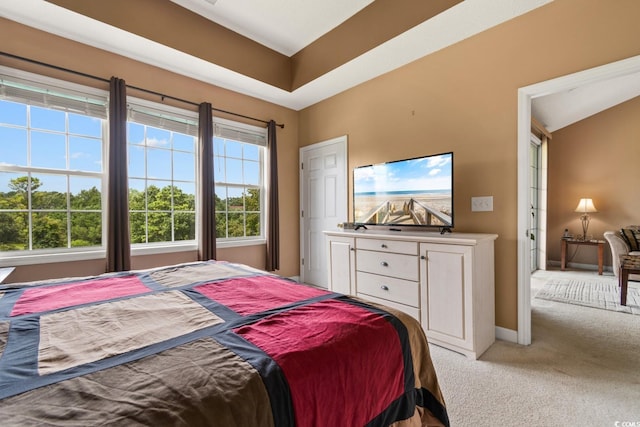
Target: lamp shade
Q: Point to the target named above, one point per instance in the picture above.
(586, 205)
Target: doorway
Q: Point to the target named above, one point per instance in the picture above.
(525, 96)
(323, 204)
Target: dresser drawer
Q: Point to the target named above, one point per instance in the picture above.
(396, 265)
(389, 288)
(381, 245)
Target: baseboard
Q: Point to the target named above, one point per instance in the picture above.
(505, 334)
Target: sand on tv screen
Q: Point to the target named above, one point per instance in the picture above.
(411, 192)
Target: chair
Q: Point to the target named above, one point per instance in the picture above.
(619, 247)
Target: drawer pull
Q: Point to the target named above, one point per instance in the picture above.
(384, 287)
(383, 246)
(384, 264)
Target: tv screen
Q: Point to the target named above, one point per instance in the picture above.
(409, 192)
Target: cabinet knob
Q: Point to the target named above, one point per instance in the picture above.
(352, 249)
(384, 264)
(383, 246)
(423, 257)
(384, 287)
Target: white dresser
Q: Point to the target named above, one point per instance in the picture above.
(446, 282)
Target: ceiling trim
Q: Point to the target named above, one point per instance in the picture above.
(463, 20)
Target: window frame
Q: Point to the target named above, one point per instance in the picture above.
(247, 134)
(144, 106)
(49, 255)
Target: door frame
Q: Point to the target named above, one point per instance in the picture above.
(343, 139)
(525, 96)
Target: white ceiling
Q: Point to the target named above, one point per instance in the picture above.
(289, 25)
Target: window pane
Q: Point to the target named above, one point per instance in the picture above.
(85, 154)
(221, 225)
(85, 193)
(49, 192)
(86, 229)
(185, 226)
(136, 161)
(85, 125)
(49, 230)
(13, 190)
(13, 113)
(135, 133)
(14, 231)
(252, 199)
(159, 227)
(234, 171)
(184, 197)
(48, 150)
(253, 224)
(138, 227)
(158, 137)
(13, 146)
(184, 166)
(184, 142)
(159, 196)
(158, 163)
(218, 146)
(44, 118)
(233, 149)
(137, 195)
(219, 172)
(251, 152)
(236, 225)
(236, 199)
(221, 198)
(251, 173)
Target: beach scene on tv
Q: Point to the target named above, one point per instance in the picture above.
(406, 192)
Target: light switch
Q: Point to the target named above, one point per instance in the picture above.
(482, 204)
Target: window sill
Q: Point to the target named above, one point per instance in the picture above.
(15, 260)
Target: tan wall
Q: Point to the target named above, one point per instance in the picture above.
(464, 99)
(598, 158)
(36, 45)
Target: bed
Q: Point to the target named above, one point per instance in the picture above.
(208, 344)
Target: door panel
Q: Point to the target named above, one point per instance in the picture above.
(323, 183)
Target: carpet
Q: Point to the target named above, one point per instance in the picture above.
(603, 294)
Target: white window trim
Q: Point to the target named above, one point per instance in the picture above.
(252, 240)
(41, 256)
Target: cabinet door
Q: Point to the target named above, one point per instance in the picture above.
(341, 264)
(446, 293)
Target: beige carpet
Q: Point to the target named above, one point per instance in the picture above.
(601, 293)
(582, 369)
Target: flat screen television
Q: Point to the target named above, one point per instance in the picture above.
(408, 192)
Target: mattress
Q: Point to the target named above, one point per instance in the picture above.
(208, 344)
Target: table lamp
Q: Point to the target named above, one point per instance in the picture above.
(585, 206)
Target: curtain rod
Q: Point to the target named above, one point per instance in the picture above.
(161, 95)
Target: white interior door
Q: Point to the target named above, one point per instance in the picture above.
(323, 200)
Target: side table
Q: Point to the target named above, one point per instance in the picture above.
(566, 242)
(628, 264)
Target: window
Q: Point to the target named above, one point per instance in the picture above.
(52, 140)
(239, 152)
(162, 173)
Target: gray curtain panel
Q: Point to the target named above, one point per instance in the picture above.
(118, 241)
(273, 214)
(206, 190)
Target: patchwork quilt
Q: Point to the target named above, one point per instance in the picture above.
(208, 343)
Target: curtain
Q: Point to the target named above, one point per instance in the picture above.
(118, 242)
(273, 215)
(206, 189)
